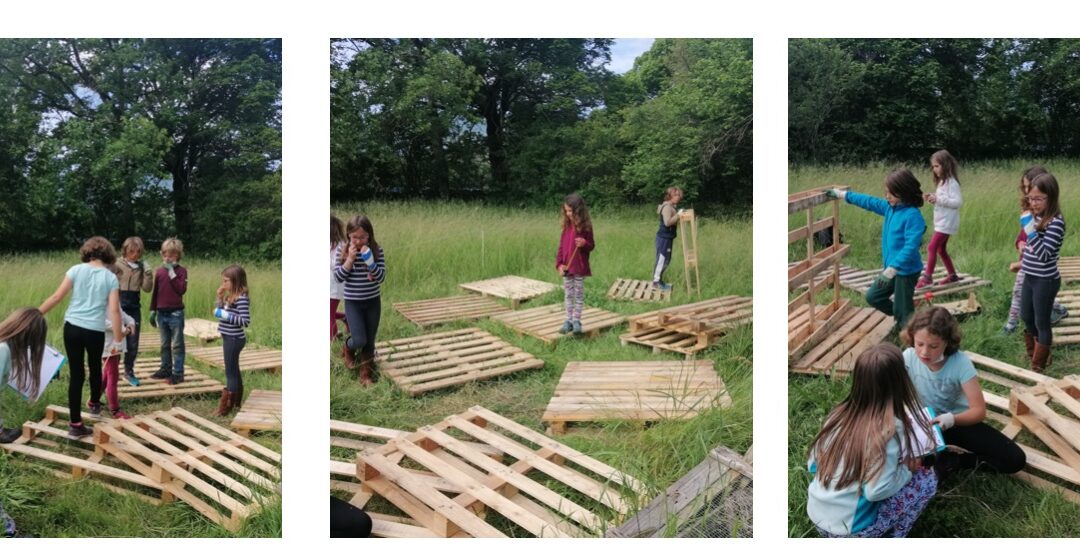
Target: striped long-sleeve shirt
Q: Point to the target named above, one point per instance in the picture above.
(1041, 252)
(361, 282)
(237, 316)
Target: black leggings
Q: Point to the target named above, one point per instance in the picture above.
(1036, 304)
(80, 342)
(987, 445)
(134, 310)
(232, 346)
(363, 317)
(348, 521)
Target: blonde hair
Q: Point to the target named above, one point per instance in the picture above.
(670, 192)
(173, 245)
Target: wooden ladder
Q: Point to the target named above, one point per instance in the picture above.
(688, 231)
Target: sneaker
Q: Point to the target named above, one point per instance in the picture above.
(577, 327)
(7, 436)
(176, 379)
(665, 286)
(93, 408)
(79, 431)
(162, 374)
(1010, 327)
(1057, 313)
(948, 280)
(923, 282)
(132, 379)
(566, 327)
(119, 414)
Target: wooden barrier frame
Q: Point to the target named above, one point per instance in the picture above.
(688, 232)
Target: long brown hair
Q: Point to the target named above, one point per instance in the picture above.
(938, 321)
(24, 331)
(948, 166)
(1047, 184)
(337, 231)
(851, 445)
(238, 278)
(580, 220)
(359, 222)
(903, 185)
(1028, 176)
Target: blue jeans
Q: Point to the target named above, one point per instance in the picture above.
(171, 326)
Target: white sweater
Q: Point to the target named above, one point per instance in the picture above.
(947, 207)
(337, 289)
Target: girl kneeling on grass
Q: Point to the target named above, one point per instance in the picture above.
(946, 381)
(363, 302)
(901, 237)
(572, 259)
(867, 480)
(233, 311)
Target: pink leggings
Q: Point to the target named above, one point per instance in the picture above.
(110, 376)
(937, 247)
(334, 316)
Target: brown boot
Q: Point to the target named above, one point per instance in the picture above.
(347, 355)
(1029, 344)
(1041, 359)
(224, 404)
(365, 372)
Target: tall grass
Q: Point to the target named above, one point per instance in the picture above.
(431, 248)
(44, 506)
(971, 504)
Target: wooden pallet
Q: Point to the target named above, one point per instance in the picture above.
(854, 330)
(544, 322)
(149, 339)
(253, 358)
(203, 330)
(637, 290)
(965, 307)
(634, 391)
(688, 329)
(1069, 267)
(261, 412)
(195, 382)
(859, 280)
(435, 361)
(1057, 426)
(174, 454)
(430, 312)
(514, 288)
(1067, 330)
(453, 493)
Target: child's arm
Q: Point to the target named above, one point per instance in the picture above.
(148, 278)
(239, 314)
(975, 413)
(670, 214)
(1045, 245)
(950, 197)
(867, 202)
(117, 323)
(57, 296)
(894, 474)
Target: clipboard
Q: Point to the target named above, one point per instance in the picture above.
(932, 443)
(51, 363)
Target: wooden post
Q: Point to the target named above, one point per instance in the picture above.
(690, 249)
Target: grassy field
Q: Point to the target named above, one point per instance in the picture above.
(970, 504)
(431, 248)
(44, 506)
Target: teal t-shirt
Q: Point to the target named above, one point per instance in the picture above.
(90, 287)
(942, 390)
(5, 364)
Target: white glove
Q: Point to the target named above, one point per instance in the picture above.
(889, 273)
(221, 313)
(680, 211)
(172, 271)
(367, 257)
(837, 193)
(946, 420)
(114, 348)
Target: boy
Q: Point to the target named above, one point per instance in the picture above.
(167, 310)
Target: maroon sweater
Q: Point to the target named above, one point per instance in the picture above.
(168, 294)
(579, 266)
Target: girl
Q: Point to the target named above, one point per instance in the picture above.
(901, 237)
(95, 295)
(110, 360)
(946, 381)
(947, 201)
(665, 235)
(1044, 229)
(363, 305)
(337, 289)
(867, 480)
(572, 259)
(135, 277)
(233, 311)
(22, 347)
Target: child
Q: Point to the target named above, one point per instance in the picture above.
(167, 310)
(233, 311)
(363, 305)
(337, 289)
(22, 347)
(110, 359)
(665, 235)
(572, 259)
(1044, 228)
(134, 277)
(946, 381)
(947, 201)
(867, 480)
(901, 237)
(95, 295)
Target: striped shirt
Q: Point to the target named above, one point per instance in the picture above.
(237, 318)
(361, 282)
(1041, 252)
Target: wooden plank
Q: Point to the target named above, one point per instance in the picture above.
(514, 288)
(544, 322)
(261, 411)
(202, 330)
(834, 315)
(637, 290)
(810, 198)
(803, 272)
(429, 312)
(252, 358)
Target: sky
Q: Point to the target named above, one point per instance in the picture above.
(624, 51)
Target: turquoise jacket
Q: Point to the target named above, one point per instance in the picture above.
(901, 235)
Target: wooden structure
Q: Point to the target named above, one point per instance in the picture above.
(634, 391)
(1050, 410)
(162, 456)
(688, 233)
(1069, 267)
(1067, 331)
(194, 383)
(149, 339)
(424, 363)
(637, 290)
(253, 358)
(430, 312)
(544, 322)
(261, 412)
(713, 500)
(690, 328)
(447, 488)
(969, 306)
(204, 331)
(514, 288)
(857, 328)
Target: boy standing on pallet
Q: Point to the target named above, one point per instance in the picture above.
(665, 235)
(167, 309)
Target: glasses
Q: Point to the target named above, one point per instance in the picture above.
(1035, 198)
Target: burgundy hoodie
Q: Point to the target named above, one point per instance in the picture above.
(579, 266)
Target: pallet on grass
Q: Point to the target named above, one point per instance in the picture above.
(544, 322)
(203, 330)
(1067, 330)
(969, 306)
(860, 280)
(634, 391)
(854, 330)
(195, 382)
(174, 454)
(261, 412)
(252, 358)
(149, 339)
(453, 493)
(637, 290)
(1069, 267)
(514, 288)
(1050, 411)
(690, 328)
(430, 312)
(434, 361)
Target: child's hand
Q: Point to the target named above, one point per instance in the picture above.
(351, 256)
(579, 241)
(153, 319)
(930, 198)
(562, 269)
(913, 464)
(946, 420)
(221, 292)
(1015, 267)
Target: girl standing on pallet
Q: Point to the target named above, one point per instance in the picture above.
(1044, 230)
(947, 382)
(361, 268)
(665, 235)
(572, 259)
(901, 237)
(233, 311)
(947, 201)
(135, 277)
(337, 289)
(868, 481)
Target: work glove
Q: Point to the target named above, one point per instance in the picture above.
(153, 319)
(885, 277)
(946, 420)
(836, 193)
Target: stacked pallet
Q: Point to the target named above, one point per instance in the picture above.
(688, 329)
(859, 280)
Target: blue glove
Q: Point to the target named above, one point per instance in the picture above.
(221, 313)
(367, 257)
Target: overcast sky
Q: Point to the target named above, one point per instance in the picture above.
(624, 51)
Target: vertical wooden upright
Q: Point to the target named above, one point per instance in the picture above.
(688, 231)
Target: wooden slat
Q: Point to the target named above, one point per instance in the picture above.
(429, 312)
(544, 322)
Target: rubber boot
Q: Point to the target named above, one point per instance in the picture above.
(347, 355)
(1041, 358)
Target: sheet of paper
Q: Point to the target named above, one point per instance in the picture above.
(50, 369)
